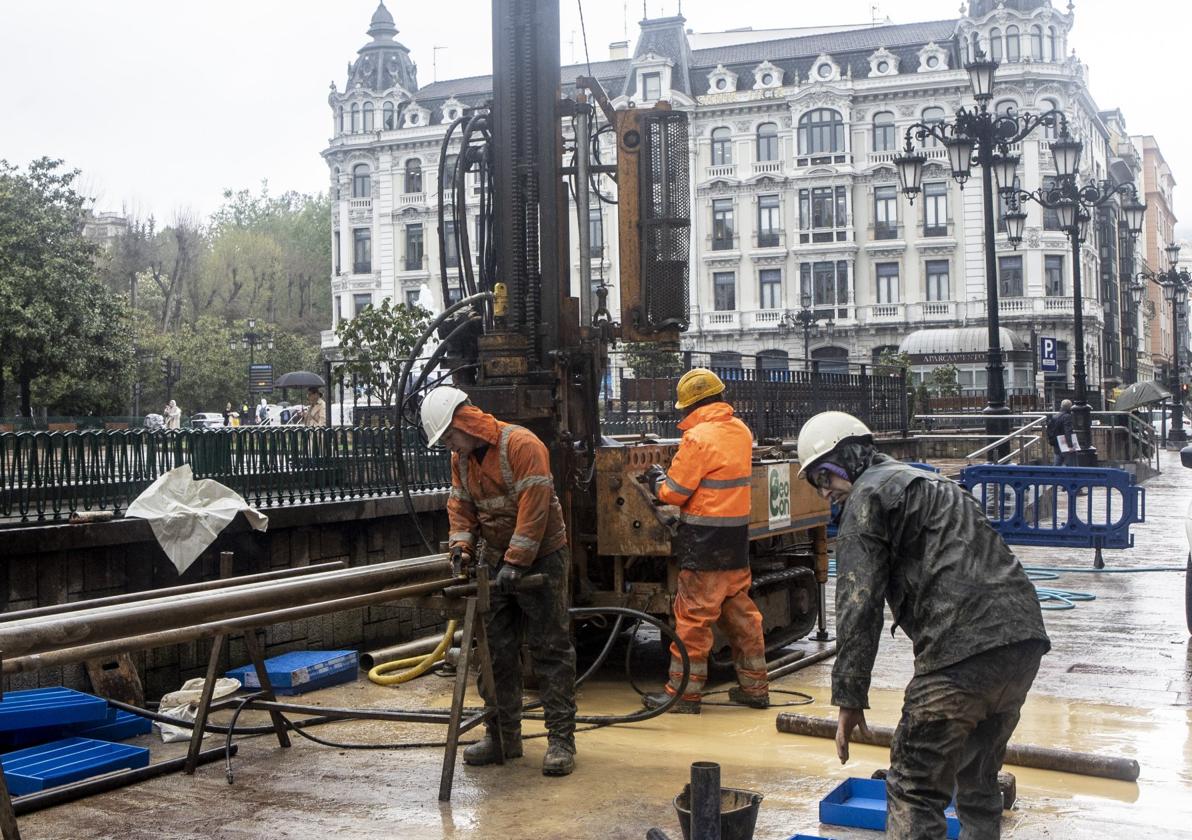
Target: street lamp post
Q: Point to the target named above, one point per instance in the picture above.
(807, 319)
(1073, 205)
(1176, 283)
(1134, 290)
(989, 136)
(249, 341)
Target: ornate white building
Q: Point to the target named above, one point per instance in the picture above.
(796, 203)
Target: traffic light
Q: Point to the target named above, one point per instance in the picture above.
(165, 366)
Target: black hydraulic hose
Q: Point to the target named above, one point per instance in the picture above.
(443, 147)
(443, 347)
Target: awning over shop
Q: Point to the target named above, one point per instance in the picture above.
(960, 345)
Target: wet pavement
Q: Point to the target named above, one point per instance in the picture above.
(1118, 681)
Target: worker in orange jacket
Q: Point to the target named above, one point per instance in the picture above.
(709, 480)
(503, 511)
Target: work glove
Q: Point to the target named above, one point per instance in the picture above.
(654, 476)
(508, 577)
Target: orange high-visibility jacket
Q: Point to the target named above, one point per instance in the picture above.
(709, 479)
(508, 499)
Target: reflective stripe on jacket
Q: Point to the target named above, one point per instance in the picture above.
(709, 480)
(508, 498)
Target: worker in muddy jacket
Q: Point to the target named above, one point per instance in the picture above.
(923, 544)
(709, 480)
(503, 511)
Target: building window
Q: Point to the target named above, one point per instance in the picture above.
(1037, 42)
(335, 184)
(413, 176)
(339, 308)
(827, 285)
(821, 132)
(651, 86)
(726, 360)
(454, 295)
(368, 116)
(938, 281)
(886, 274)
(388, 118)
(450, 246)
(767, 142)
(361, 302)
(1049, 131)
(362, 251)
(341, 119)
(1051, 216)
(723, 232)
(885, 213)
(1052, 52)
(1009, 276)
(769, 222)
(355, 118)
(830, 359)
(413, 296)
(1053, 275)
(414, 247)
(361, 181)
(724, 291)
(335, 251)
(447, 175)
(930, 117)
(883, 132)
(995, 44)
(722, 149)
(770, 283)
(1013, 44)
(823, 211)
(595, 231)
(935, 208)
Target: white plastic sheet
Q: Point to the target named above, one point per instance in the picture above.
(184, 705)
(187, 515)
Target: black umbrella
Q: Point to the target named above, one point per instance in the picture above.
(1139, 394)
(299, 379)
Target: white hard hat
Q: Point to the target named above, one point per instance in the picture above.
(821, 434)
(438, 407)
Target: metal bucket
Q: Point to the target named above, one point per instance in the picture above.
(738, 812)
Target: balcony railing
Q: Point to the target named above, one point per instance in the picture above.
(886, 230)
(763, 318)
(722, 243)
(888, 156)
(767, 167)
(938, 230)
(769, 239)
(414, 263)
(407, 199)
(362, 267)
(726, 320)
(724, 170)
(934, 310)
(360, 204)
(882, 313)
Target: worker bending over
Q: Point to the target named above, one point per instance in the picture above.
(923, 544)
(503, 511)
(709, 480)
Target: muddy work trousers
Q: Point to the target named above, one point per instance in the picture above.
(952, 738)
(541, 616)
(718, 598)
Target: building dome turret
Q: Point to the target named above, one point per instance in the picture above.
(384, 63)
(382, 27)
(980, 8)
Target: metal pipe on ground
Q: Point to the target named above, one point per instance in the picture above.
(124, 621)
(110, 781)
(1020, 755)
(417, 647)
(800, 664)
(705, 800)
(185, 589)
(145, 641)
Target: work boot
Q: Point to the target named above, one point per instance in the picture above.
(756, 701)
(484, 751)
(559, 759)
(661, 698)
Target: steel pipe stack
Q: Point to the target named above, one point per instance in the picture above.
(72, 636)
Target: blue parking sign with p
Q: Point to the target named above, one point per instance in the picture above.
(1047, 354)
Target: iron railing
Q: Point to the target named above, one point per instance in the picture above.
(773, 399)
(47, 476)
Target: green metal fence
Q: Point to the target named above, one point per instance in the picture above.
(47, 476)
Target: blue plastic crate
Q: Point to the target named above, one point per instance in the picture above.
(861, 803)
(65, 761)
(807, 837)
(40, 708)
(119, 726)
(303, 670)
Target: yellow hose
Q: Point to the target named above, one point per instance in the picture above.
(420, 664)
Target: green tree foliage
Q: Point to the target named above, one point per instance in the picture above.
(890, 362)
(653, 361)
(944, 381)
(378, 341)
(63, 331)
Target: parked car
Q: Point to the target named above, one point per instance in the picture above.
(207, 420)
(1158, 416)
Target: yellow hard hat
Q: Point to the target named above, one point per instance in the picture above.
(697, 384)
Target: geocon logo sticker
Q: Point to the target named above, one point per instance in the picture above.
(779, 483)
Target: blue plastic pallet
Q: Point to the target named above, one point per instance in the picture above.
(65, 761)
(45, 707)
(119, 725)
(303, 670)
(861, 803)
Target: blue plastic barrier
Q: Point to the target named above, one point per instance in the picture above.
(1070, 507)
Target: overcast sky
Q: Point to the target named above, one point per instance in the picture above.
(163, 104)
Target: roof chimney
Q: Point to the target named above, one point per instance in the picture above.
(618, 49)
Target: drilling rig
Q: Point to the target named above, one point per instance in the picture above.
(531, 347)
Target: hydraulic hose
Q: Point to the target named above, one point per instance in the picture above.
(416, 665)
